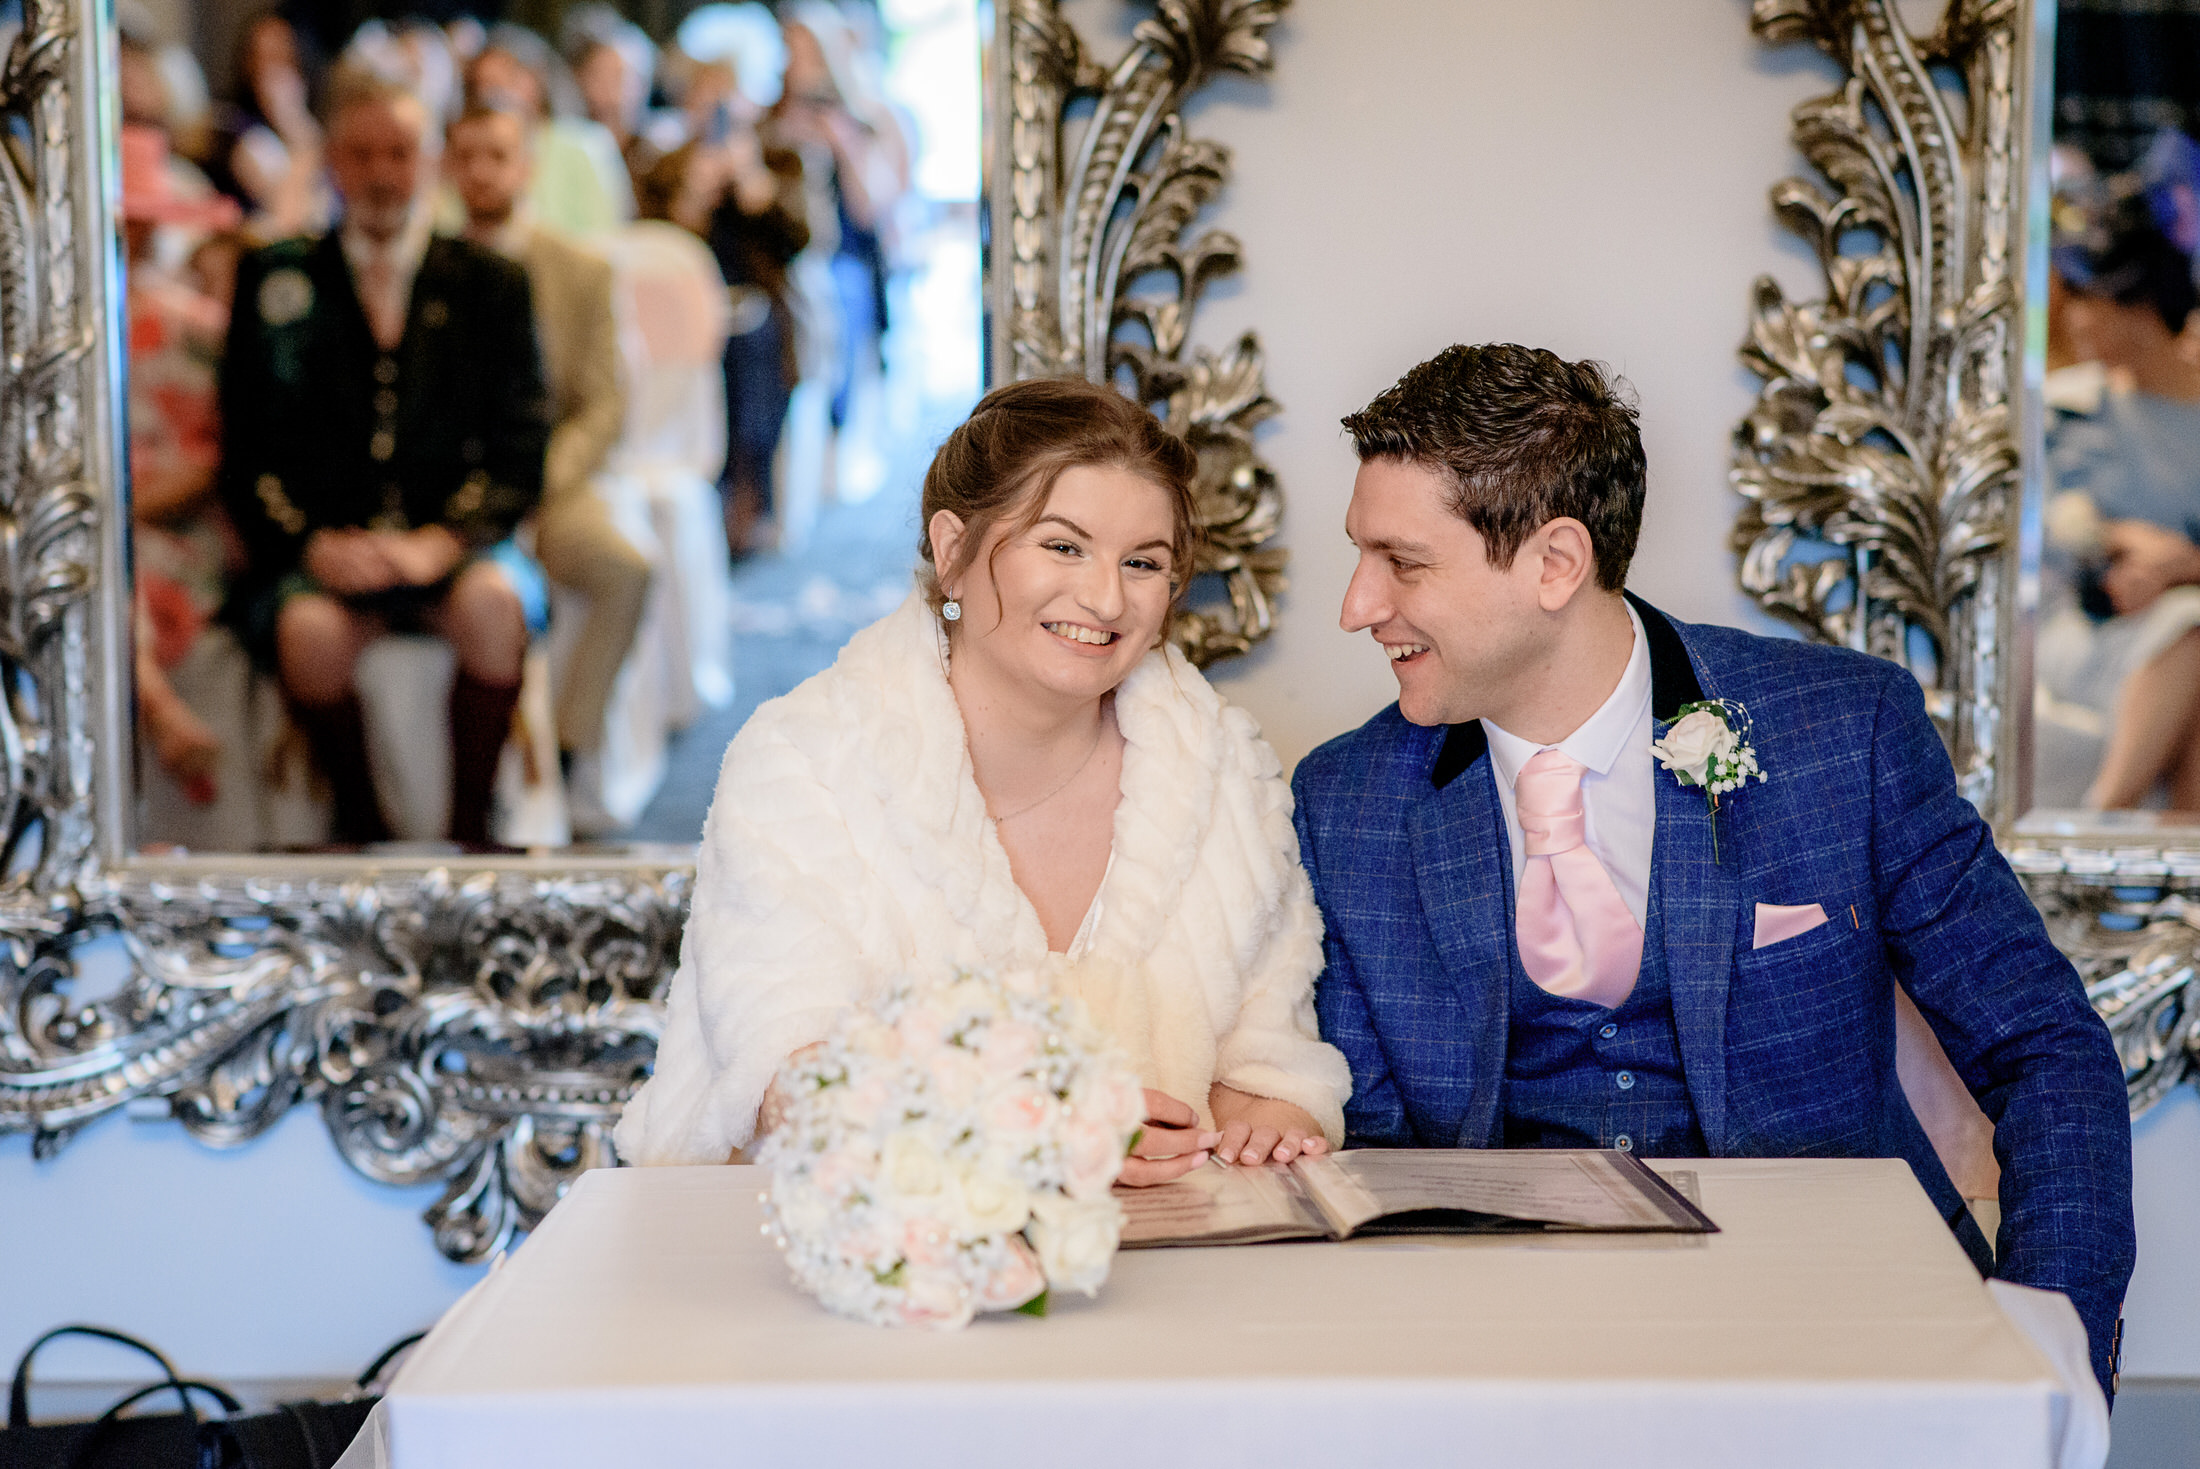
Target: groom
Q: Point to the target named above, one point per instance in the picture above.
(1539, 937)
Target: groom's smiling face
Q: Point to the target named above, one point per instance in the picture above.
(1462, 635)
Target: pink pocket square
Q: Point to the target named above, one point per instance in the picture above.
(1779, 922)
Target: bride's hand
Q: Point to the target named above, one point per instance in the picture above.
(774, 1108)
(1262, 1129)
(1170, 1144)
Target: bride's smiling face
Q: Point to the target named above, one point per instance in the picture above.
(1072, 601)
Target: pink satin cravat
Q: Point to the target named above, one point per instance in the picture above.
(1576, 936)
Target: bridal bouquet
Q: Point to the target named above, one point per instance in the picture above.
(951, 1151)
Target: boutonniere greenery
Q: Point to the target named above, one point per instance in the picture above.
(1707, 746)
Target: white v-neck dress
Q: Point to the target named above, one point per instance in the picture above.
(1080, 942)
(848, 844)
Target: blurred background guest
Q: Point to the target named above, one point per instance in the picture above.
(2121, 642)
(615, 67)
(265, 150)
(580, 181)
(385, 425)
(856, 163)
(576, 539)
(748, 202)
(182, 545)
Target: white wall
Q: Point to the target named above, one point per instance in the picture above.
(1587, 175)
(1584, 175)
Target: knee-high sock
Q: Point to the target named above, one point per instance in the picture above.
(481, 720)
(338, 735)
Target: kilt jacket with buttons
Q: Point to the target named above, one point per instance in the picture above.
(323, 429)
(1789, 1048)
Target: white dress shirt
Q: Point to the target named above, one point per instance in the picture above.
(403, 255)
(1618, 797)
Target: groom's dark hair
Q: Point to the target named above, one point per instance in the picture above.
(1524, 437)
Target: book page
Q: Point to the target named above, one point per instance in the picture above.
(1585, 1189)
(1214, 1204)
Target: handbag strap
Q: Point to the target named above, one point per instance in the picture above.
(389, 1355)
(19, 1390)
(183, 1388)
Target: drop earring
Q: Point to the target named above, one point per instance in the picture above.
(951, 610)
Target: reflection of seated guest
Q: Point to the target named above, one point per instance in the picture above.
(575, 538)
(580, 183)
(747, 203)
(179, 538)
(2125, 644)
(386, 421)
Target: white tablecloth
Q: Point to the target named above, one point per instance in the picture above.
(1834, 1321)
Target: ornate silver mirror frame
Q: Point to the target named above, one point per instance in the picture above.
(1893, 471)
(478, 1027)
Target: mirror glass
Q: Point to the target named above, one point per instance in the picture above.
(2116, 702)
(404, 582)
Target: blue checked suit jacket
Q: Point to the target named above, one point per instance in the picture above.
(1789, 1049)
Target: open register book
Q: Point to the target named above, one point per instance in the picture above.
(1409, 1191)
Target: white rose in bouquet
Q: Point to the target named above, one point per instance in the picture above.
(1076, 1238)
(988, 1201)
(910, 1165)
(950, 1151)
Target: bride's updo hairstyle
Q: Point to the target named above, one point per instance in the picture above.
(1000, 466)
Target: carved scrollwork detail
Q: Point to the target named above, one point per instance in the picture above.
(484, 1033)
(2129, 919)
(1101, 273)
(1880, 464)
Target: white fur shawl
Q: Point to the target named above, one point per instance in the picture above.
(848, 843)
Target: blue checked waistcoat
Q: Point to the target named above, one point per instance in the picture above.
(1788, 1050)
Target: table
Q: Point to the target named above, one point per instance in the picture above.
(1834, 1321)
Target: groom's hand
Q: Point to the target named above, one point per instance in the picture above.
(1262, 1129)
(1170, 1145)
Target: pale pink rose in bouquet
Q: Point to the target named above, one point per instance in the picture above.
(922, 1030)
(949, 1151)
(1092, 1157)
(1021, 1114)
(936, 1298)
(927, 1242)
(1011, 1046)
(1109, 1098)
(1013, 1277)
(958, 1078)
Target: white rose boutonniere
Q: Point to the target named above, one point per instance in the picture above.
(285, 296)
(1707, 746)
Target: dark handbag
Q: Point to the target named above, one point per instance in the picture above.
(111, 1441)
(306, 1435)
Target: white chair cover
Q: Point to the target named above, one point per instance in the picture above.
(674, 318)
(266, 796)
(404, 693)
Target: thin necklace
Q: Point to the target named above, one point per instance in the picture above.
(1065, 785)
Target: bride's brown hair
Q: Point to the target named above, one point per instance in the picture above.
(1002, 462)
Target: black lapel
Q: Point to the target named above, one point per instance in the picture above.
(1673, 680)
(1463, 745)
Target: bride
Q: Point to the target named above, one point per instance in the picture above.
(1011, 766)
